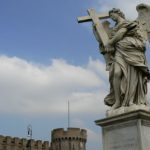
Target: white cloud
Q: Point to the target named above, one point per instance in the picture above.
(35, 89)
(127, 6)
(30, 88)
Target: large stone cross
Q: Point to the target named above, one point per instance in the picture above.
(95, 18)
(100, 29)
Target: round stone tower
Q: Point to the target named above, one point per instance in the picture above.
(71, 139)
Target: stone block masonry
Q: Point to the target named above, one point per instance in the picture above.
(71, 139)
(14, 143)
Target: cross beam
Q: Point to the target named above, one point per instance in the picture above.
(95, 18)
(88, 18)
(100, 30)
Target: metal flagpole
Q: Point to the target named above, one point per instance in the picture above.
(68, 114)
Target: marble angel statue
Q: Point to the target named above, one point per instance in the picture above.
(128, 69)
(124, 47)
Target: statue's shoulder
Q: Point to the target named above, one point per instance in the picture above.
(120, 25)
(128, 24)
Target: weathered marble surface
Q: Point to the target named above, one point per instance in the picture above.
(128, 131)
(122, 110)
(123, 47)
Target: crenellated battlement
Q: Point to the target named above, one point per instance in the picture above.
(7, 142)
(69, 134)
(72, 138)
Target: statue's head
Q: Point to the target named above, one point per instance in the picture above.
(114, 13)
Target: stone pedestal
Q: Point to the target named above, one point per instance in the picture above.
(128, 131)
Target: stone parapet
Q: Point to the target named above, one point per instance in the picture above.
(70, 133)
(70, 139)
(10, 143)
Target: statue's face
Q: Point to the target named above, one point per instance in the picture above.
(114, 16)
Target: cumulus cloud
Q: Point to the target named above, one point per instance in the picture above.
(30, 88)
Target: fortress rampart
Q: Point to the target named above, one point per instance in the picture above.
(14, 143)
(70, 139)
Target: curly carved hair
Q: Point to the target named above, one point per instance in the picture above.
(118, 11)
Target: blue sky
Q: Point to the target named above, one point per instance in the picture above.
(41, 30)
(46, 59)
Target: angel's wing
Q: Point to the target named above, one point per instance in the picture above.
(144, 19)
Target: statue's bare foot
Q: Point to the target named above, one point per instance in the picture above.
(131, 104)
(116, 105)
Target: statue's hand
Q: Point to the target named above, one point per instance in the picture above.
(109, 48)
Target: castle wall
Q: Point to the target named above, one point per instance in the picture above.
(13, 143)
(70, 139)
